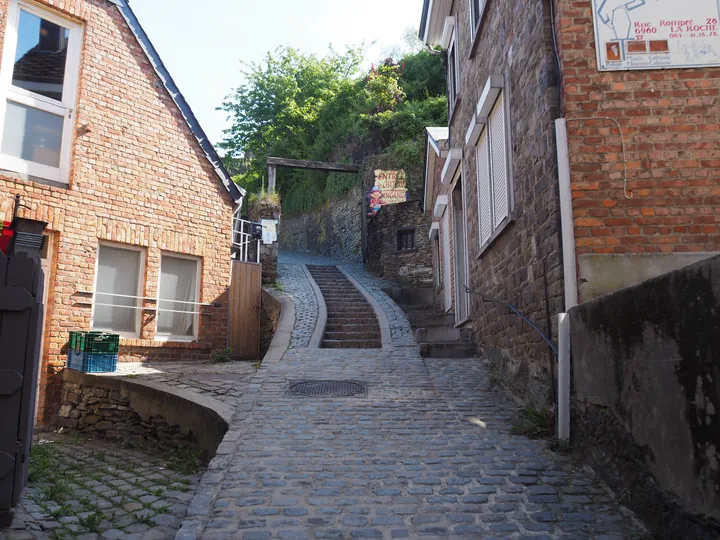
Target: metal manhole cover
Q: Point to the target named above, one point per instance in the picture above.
(327, 388)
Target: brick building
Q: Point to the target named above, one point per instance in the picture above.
(98, 143)
(641, 196)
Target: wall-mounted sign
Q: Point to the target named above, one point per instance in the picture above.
(269, 231)
(656, 34)
(390, 188)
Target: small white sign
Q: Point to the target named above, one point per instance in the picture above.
(656, 34)
(269, 231)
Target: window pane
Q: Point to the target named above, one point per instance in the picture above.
(178, 286)
(32, 134)
(118, 274)
(40, 56)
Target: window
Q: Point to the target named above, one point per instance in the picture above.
(492, 174)
(179, 291)
(436, 254)
(453, 72)
(446, 260)
(476, 11)
(38, 87)
(405, 239)
(118, 286)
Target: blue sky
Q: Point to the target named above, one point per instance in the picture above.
(202, 43)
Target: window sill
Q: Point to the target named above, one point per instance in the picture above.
(26, 178)
(498, 232)
(158, 344)
(464, 321)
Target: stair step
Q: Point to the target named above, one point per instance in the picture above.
(352, 336)
(443, 334)
(426, 319)
(335, 327)
(351, 344)
(339, 319)
(447, 350)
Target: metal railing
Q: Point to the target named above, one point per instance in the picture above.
(141, 300)
(242, 240)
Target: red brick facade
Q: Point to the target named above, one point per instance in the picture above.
(138, 177)
(669, 119)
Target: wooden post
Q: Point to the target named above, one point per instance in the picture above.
(271, 179)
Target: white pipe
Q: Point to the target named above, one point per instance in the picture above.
(563, 377)
(566, 215)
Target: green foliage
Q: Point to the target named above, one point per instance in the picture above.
(534, 423)
(43, 462)
(184, 461)
(301, 106)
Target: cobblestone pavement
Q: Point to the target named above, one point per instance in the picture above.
(92, 490)
(225, 382)
(426, 453)
(296, 286)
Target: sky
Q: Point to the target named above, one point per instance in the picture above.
(203, 43)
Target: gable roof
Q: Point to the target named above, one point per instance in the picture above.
(236, 192)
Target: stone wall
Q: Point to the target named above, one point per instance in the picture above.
(523, 264)
(137, 415)
(646, 395)
(332, 231)
(410, 267)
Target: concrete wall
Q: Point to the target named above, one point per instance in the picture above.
(646, 368)
(332, 231)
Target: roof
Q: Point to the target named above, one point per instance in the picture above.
(236, 192)
(438, 139)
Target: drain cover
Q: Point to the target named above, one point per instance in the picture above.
(327, 388)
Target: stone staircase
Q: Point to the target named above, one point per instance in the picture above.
(434, 331)
(351, 321)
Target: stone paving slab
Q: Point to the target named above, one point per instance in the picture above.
(92, 489)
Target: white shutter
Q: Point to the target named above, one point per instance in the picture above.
(483, 188)
(446, 260)
(498, 162)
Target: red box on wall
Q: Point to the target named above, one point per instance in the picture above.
(5, 237)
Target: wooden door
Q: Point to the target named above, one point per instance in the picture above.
(245, 298)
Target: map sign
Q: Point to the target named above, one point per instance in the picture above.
(656, 34)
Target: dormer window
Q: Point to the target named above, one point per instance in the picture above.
(38, 89)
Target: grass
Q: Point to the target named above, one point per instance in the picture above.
(534, 423)
(43, 462)
(92, 522)
(256, 365)
(184, 461)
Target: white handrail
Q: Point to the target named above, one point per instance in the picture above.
(150, 298)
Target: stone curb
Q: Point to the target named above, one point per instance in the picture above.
(316, 339)
(283, 334)
(385, 334)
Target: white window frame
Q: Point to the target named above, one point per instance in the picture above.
(25, 97)
(141, 288)
(195, 307)
(484, 144)
(476, 18)
(449, 43)
(447, 282)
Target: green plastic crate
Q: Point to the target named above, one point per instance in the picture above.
(94, 342)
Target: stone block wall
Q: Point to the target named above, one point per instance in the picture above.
(669, 121)
(646, 396)
(333, 231)
(410, 267)
(137, 415)
(523, 265)
(269, 319)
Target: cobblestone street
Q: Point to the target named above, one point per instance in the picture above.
(426, 453)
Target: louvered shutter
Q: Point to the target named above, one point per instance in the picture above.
(483, 188)
(498, 163)
(446, 259)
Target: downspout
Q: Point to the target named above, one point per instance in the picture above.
(570, 278)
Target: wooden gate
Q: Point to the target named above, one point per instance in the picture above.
(245, 298)
(21, 310)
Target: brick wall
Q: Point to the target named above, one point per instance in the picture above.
(669, 119)
(138, 177)
(523, 266)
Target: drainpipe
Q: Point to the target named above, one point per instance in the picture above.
(570, 278)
